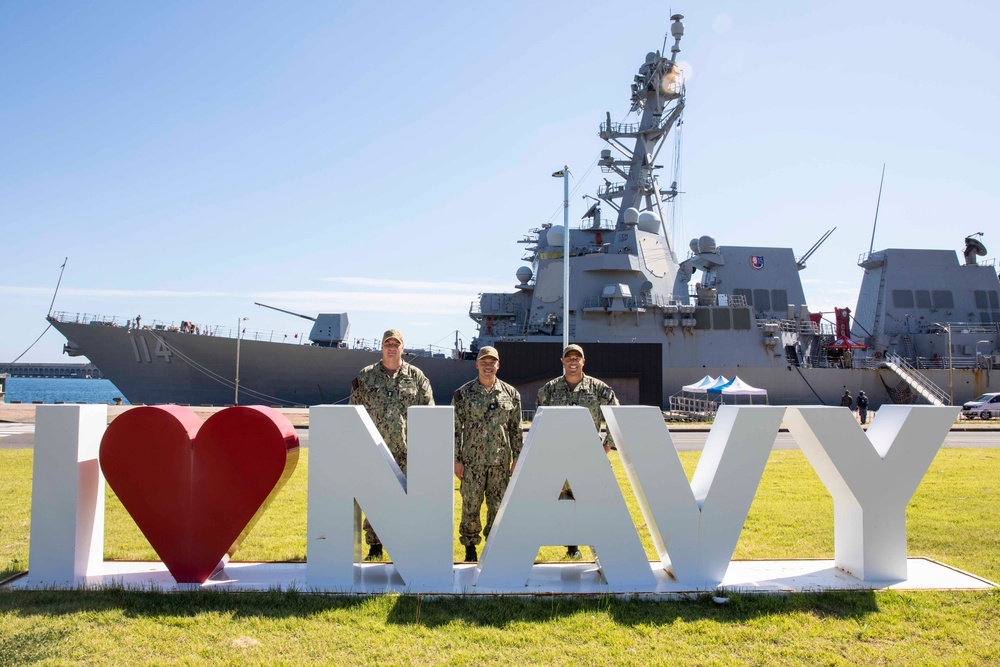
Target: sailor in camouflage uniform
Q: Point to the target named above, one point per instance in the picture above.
(386, 390)
(576, 388)
(488, 440)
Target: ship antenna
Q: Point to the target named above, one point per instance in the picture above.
(48, 317)
(871, 246)
(62, 269)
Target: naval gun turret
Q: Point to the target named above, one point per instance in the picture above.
(329, 329)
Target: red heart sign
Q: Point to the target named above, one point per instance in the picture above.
(196, 489)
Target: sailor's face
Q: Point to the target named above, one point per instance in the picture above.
(573, 364)
(392, 352)
(487, 367)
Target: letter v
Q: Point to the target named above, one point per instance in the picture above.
(695, 527)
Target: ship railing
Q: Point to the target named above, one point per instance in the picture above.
(694, 407)
(183, 326)
(611, 189)
(477, 309)
(606, 225)
(941, 363)
(965, 328)
(918, 380)
(619, 128)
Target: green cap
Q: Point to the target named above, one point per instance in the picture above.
(488, 351)
(573, 348)
(392, 333)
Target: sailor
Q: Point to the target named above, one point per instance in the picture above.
(576, 388)
(488, 440)
(386, 389)
(847, 401)
(862, 407)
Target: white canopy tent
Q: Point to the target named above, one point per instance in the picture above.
(740, 388)
(699, 387)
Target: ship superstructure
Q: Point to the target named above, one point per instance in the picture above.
(652, 317)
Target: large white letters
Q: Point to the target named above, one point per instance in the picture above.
(871, 477)
(413, 515)
(67, 495)
(563, 446)
(695, 527)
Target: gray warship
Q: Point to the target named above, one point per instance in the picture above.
(652, 317)
(653, 321)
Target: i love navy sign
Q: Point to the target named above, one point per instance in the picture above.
(694, 525)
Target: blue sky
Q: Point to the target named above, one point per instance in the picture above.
(384, 158)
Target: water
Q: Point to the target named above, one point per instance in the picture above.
(67, 390)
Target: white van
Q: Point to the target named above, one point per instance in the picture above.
(986, 406)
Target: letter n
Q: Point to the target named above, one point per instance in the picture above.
(350, 467)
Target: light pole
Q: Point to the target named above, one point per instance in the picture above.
(564, 174)
(951, 381)
(239, 327)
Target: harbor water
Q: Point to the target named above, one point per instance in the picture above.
(65, 390)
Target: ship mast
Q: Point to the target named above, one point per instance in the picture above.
(658, 93)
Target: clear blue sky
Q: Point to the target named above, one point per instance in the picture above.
(384, 158)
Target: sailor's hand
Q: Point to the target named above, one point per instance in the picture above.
(459, 469)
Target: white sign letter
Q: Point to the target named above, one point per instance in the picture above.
(561, 446)
(67, 495)
(413, 516)
(695, 527)
(871, 478)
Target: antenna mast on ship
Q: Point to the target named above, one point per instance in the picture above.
(658, 92)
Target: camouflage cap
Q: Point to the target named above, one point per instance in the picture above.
(392, 333)
(488, 351)
(573, 348)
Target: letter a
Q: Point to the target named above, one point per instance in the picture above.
(563, 445)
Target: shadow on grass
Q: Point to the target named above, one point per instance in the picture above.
(501, 611)
(417, 610)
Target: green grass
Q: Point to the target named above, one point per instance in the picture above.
(952, 518)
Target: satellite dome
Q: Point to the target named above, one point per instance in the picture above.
(523, 274)
(649, 222)
(706, 244)
(555, 235)
(631, 216)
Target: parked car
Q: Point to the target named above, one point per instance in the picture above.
(986, 406)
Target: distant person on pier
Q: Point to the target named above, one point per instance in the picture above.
(862, 407)
(386, 389)
(573, 387)
(138, 318)
(847, 401)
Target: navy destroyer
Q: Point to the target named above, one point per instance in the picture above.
(652, 317)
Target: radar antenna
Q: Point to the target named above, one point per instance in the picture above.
(871, 246)
(974, 248)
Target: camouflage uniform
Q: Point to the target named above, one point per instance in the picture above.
(487, 439)
(386, 398)
(589, 393)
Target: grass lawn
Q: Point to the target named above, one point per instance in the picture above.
(953, 518)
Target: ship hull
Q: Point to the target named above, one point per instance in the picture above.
(160, 366)
(640, 376)
(154, 367)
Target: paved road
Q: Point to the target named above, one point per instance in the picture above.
(22, 436)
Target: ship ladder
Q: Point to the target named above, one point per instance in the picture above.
(917, 380)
